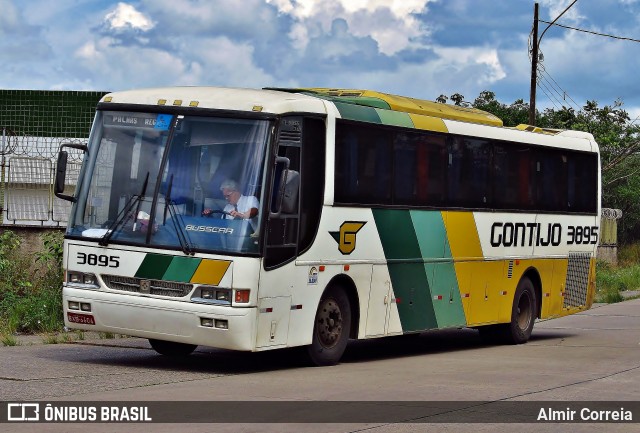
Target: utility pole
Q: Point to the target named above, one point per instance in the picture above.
(534, 67)
(534, 58)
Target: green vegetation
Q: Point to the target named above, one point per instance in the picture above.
(30, 293)
(611, 280)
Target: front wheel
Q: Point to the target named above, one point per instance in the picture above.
(332, 327)
(170, 348)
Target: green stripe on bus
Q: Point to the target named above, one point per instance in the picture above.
(357, 112)
(443, 283)
(181, 269)
(395, 118)
(397, 234)
(407, 270)
(363, 100)
(447, 302)
(154, 266)
(430, 232)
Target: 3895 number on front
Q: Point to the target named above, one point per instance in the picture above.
(98, 260)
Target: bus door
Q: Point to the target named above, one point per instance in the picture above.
(281, 237)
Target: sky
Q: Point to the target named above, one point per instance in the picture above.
(417, 48)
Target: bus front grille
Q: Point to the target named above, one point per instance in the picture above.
(152, 287)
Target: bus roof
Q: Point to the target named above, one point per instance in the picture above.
(362, 105)
(220, 98)
(370, 98)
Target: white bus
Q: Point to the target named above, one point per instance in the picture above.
(359, 215)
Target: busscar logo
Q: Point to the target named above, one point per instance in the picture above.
(346, 237)
(23, 412)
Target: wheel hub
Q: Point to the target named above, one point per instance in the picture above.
(524, 312)
(329, 324)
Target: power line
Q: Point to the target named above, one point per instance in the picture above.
(591, 32)
(549, 97)
(542, 81)
(560, 90)
(552, 98)
(555, 19)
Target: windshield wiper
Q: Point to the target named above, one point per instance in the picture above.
(135, 199)
(183, 237)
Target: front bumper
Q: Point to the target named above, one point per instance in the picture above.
(163, 319)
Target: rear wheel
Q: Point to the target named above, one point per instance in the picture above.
(523, 316)
(332, 327)
(523, 313)
(170, 348)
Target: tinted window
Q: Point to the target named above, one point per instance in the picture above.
(512, 176)
(380, 166)
(420, 168)
(363, 165)
(469, 163)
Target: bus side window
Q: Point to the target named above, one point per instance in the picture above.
(551, 172)
(363, 164)
(404, 168)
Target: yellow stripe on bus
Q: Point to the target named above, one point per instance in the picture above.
(462, 235)
(428, 123)
(210, 272)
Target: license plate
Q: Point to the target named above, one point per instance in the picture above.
(85, 319)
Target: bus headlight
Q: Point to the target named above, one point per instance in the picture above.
(80, 279)
(212, 295)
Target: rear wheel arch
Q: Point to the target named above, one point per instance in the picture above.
(533, 275)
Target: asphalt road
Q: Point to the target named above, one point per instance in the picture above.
(592, 356)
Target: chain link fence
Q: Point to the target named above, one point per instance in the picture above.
(33, 125)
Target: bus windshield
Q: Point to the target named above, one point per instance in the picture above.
(182, 182)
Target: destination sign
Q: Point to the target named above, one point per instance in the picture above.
(158, 122)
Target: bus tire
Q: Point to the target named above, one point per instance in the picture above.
(170, 348)
(331, 329)
(523, 313)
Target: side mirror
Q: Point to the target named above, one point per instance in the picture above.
(279, 182)
(61, 170)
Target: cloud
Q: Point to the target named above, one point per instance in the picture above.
(126, 16)
(557, 7)
(20, 41)
(125, 25)
(392, 24)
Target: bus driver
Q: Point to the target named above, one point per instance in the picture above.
(238, 206)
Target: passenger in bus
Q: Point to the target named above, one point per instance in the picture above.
(239, 206)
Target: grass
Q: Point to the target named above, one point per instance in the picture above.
(50, 339)
(9, 340)
(30, 292)
(611, 280)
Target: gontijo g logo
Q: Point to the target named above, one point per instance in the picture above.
(346, 237)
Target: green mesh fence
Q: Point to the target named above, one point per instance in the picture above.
(33, 125)
(46, 113)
